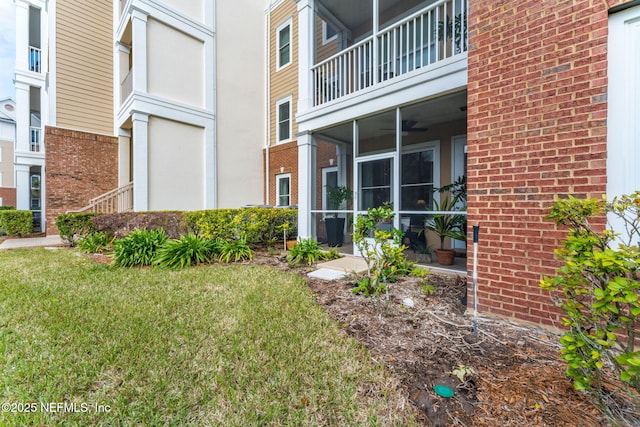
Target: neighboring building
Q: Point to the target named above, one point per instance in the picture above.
(183, 69)
(413, 94)
(7, 143)
(137, 120)
(65, 150)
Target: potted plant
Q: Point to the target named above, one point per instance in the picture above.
(446, 225)
(337, 196)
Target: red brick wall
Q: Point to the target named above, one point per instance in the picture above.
(8, 196)
(537, 109)
(283, 159)
(79, 166)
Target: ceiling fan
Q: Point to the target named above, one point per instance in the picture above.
(409, 126)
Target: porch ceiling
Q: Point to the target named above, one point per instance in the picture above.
(356, 13)
(424, 114)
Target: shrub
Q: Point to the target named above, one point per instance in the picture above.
(600, 281)
(255, 225)
(94, 243)
(7, 208)
(138, 248)
(383, 253)
(234, 250)
(16, 223)
(75, 226)
(186, 251)
(121, 224)
(309, 251)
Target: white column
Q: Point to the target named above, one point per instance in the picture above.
(22, 35)
(306, 172)
(305, 53)
(376, 59)
(140, 162)
(22, 117)
(23, 187)
(139, 46)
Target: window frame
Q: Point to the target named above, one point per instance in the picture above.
(325, 39)
(279, 103)
(280, 177)
(279, 29)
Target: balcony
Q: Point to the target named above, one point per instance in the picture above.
(431, 34)
(35, 134)
(34, 59)
(126, 86)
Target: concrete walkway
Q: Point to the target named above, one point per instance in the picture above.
(32, 242)
(339, 268)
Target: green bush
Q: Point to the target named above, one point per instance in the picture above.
(309, 251)
(7, 208)
(600, 282)
(255, 225)
(382, 250)
(138, 248)
(75, 226)
(186, 251)
(95, 243)
(234, 250)
(16, 223)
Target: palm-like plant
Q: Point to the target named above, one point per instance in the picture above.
(447, 225)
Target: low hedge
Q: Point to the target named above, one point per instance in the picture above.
(119, 225)
(75, 226)
(16, 223)
(256, 225)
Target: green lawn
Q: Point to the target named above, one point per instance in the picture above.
(85, 344)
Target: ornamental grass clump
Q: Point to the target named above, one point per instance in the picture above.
(138, 248)
(186, 251)
(95, 243)
(309, 251)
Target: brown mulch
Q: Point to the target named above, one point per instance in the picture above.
(515, 376)
(510, 375)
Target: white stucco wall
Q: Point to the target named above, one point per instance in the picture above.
(176, 165)
(175, 64)
(192, 8)
(240, 105)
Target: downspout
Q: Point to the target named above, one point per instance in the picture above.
(267, 61)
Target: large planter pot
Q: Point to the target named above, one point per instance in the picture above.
(335, 231)
(445, 256)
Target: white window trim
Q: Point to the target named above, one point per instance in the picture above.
(0, 183)
(326, 40)
(288, 99)
(278, 178)
(281, 27)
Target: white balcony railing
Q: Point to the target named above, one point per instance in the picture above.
(34, 59)
(35, 144)
(126, 87)
(435, 33)
(114, 201)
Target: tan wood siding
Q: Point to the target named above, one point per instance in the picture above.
(84, 65)
(284, 82)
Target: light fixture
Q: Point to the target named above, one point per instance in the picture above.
(281, 169)
(331, 160)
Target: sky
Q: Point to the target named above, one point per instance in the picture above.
(7, 48)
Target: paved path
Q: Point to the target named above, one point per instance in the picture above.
(32, 242)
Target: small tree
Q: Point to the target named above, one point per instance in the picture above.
(600, 281)
(382, 251)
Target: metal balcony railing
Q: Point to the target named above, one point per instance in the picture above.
(434, 33)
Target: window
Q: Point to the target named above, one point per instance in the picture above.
(283, 189)
(0, 179)
(284, 44)
(419, 175)
(283, 111)
(329, 33)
